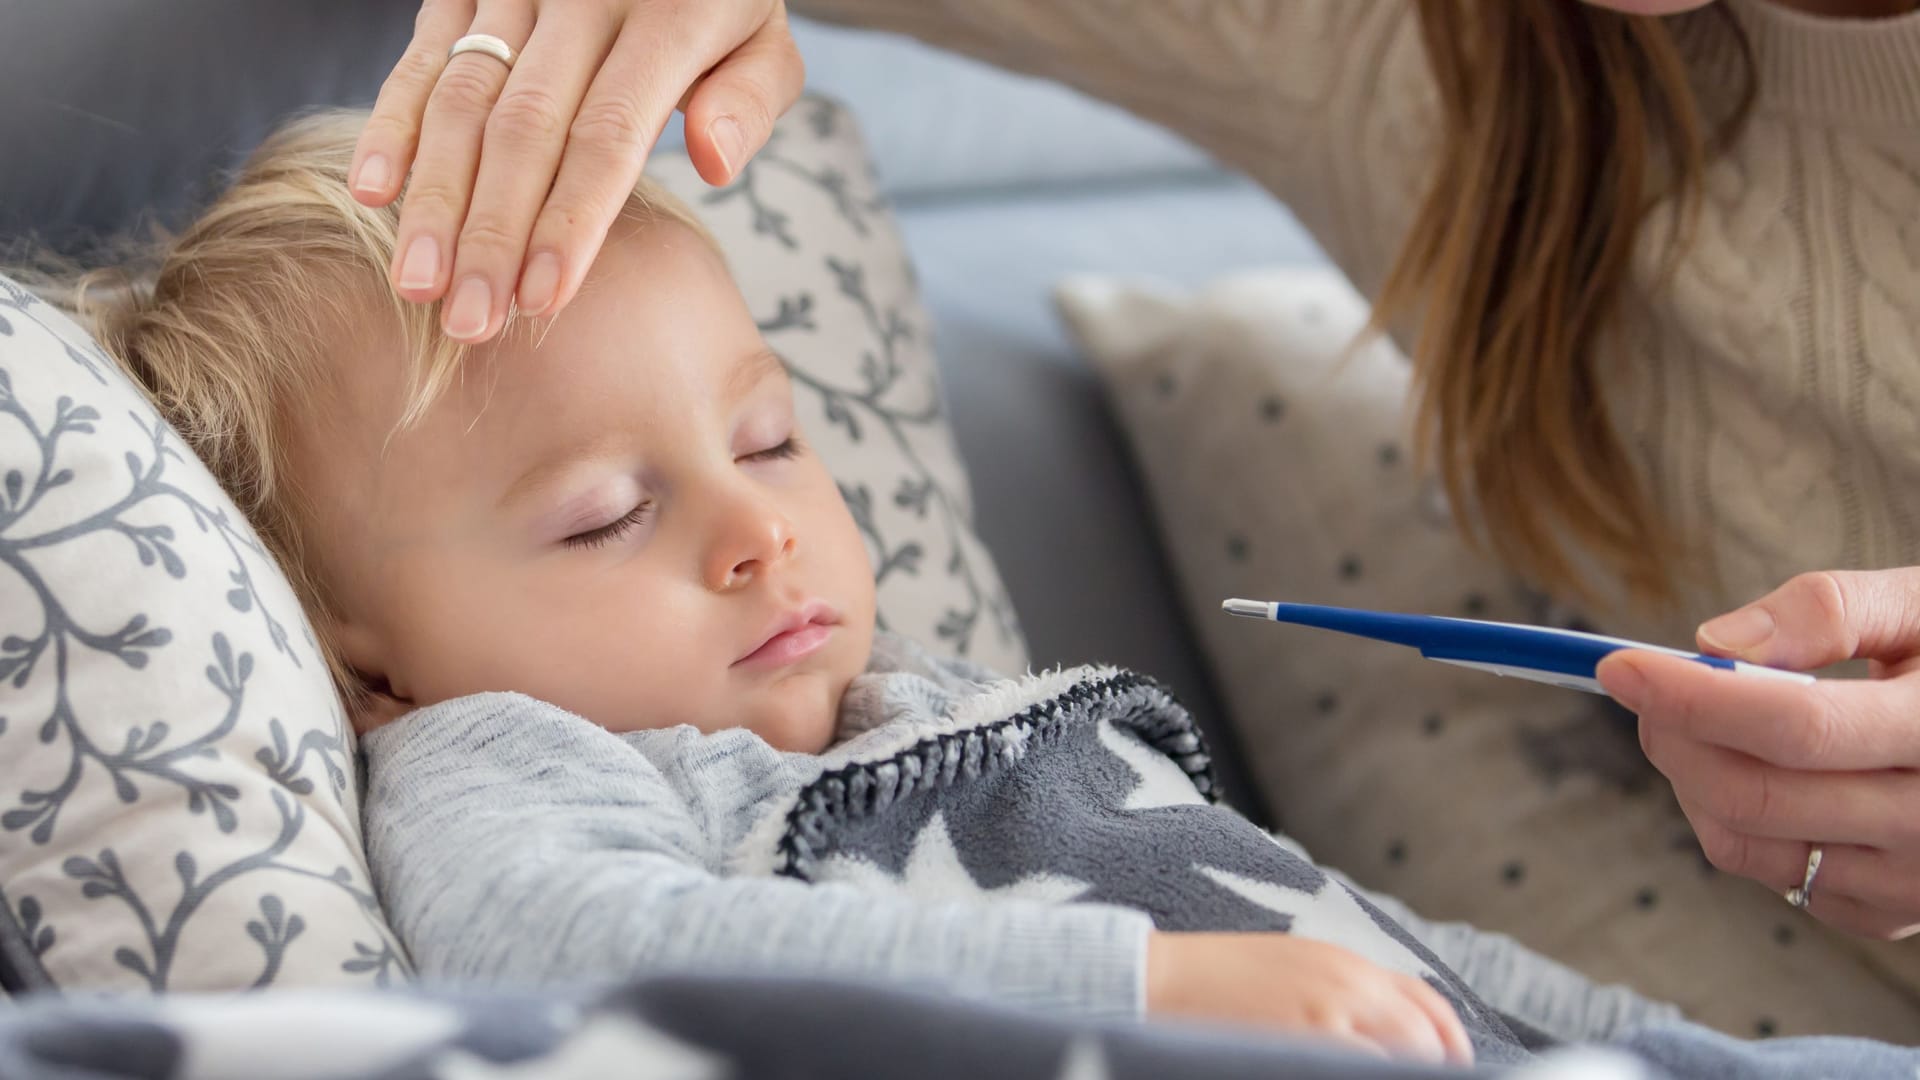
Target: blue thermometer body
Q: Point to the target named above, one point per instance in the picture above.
(1565, 658)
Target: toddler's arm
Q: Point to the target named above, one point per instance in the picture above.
(514, 842)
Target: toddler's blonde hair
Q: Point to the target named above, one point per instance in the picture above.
(230, 326)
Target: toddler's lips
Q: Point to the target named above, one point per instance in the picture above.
(792, 637)
(788, 646)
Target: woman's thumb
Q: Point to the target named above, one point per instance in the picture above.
(1823, 618)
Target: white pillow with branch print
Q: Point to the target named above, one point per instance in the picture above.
(178, 810)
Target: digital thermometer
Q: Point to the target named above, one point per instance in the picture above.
(1561, 657)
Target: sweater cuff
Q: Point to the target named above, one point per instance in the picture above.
(1083, 960)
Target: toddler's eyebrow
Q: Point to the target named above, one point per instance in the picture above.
(753, 369)
(749, 372)
(552, 467)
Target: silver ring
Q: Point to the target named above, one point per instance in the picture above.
(484, 43)
(1803, 895)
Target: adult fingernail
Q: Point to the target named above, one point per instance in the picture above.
(472, 309)
(421, 267)
(1738, 631)
(373, 176)
(539, 284)
(1625, 682)
(726, 138)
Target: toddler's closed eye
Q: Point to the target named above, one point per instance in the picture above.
(788, 448)
(611, 531)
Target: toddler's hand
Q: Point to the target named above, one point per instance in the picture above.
(1294, 984)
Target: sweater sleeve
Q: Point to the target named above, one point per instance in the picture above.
(1320, 101)
(515, 843)
(1243, 80)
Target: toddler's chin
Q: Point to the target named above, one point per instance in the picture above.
(800, 716)
(811, 736)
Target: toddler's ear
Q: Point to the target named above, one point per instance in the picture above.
(372, 700)
(375, 706)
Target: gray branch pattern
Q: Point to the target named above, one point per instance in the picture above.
(151, 752)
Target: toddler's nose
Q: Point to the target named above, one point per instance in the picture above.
(750, 542)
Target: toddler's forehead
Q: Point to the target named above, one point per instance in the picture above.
(364, 384)
(355, 420)
(352, 406)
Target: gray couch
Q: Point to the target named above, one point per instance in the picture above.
(1003, 184)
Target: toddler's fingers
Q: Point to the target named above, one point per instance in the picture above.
(1446, 1022)
(1403, 1028)
(1349, 1039)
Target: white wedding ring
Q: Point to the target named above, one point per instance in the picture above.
(1803, 895)
(484, 43)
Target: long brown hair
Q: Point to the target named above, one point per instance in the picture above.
(1564, 124)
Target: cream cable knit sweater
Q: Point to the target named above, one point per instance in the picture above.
(1770, 391)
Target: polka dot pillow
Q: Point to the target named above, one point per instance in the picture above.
(1277, 468)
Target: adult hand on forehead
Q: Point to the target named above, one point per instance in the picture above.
(518, 170)
(1765, 769)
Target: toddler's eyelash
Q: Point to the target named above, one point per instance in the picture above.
(613, 530)
(788, 449)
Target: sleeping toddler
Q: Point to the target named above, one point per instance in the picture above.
(607, 631)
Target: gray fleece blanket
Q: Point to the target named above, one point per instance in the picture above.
(1090, 784)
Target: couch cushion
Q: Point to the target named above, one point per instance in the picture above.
(122, 109)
